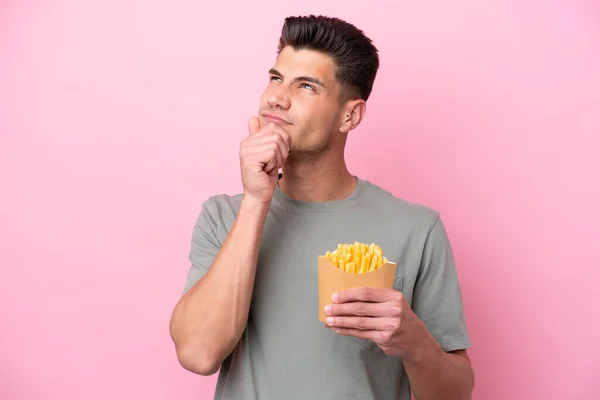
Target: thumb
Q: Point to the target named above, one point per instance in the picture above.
(253, 125)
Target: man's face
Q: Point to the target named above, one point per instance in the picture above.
(303, 92)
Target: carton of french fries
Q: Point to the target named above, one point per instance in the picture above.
(353, 265)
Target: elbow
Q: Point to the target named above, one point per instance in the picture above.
(197, 361)
(196, 353)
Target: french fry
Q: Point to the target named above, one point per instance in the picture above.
(357, 258)
(363, 264)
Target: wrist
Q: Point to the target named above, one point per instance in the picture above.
(250, 205)
(425, 350)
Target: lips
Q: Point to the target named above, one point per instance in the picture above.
(275, 119)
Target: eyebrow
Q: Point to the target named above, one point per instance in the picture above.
(316, 81)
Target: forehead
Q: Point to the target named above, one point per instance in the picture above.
(294, 63)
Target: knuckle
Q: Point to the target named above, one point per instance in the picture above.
(382, 337)
(361, 309)
(361, 323)
(394, 325)
(387, 336)
(364, 295)
(396, 311)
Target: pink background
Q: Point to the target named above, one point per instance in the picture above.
(118, 118)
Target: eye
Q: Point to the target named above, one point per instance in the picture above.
(307, 86)
(275, 78)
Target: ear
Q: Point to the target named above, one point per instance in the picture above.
(353, 114)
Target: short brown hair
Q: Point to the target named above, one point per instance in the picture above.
(354, 54)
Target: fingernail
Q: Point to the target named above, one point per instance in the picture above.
(329, 321)
(328, 309)
(335, 297)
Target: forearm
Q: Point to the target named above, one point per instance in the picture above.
(435, 374)
(209, 320)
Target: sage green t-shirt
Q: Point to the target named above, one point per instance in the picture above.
(285, 351)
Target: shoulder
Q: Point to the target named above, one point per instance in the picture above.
(397, 207)
(222, 202)
(220, 209)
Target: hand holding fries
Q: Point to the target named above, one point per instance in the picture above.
(381, 315)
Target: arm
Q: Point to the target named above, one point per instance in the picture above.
(210, 318)
(436, 374)
(208, 321)
(384, 316)
(440, 367)
(429, 337)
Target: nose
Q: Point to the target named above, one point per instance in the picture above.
(279, 98)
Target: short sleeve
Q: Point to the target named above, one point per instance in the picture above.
(437, 298)
(204, 246)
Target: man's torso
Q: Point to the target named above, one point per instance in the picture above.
(285, 351)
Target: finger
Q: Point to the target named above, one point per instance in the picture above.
(375, 295)
(259, 139)
(283, 138)
(272, 129)
(266, 145)
(253, 125)
(362, 309)
(275, 128)
(267, 154)
(370, 335)
(364, 323)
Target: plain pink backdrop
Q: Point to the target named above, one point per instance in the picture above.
(118, 118)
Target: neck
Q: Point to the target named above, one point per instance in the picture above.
(317, 179)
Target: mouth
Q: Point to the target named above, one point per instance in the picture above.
(275, 119)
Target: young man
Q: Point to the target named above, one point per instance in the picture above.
(250, 306)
